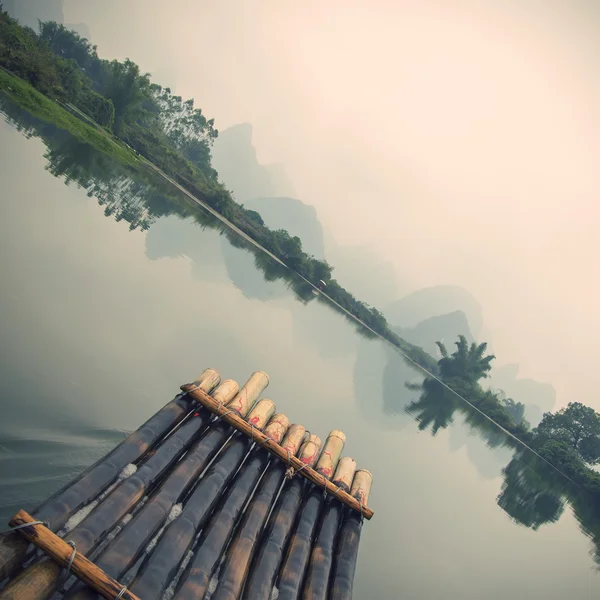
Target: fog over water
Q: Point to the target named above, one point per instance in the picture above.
(460, 140)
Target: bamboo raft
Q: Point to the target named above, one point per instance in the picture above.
(215, 496)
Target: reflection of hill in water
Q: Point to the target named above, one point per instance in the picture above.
(234, 157)
(421, 317)
(296, 217)
(268, 190)
(442, 328)
(173, 237)
(242, 272)
(434, 301)
(538, 397)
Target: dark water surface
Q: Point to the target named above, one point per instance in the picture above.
(113, 292)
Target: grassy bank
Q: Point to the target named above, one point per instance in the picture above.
(42, 107)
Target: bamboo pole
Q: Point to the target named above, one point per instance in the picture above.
(321, 558)
(260, 439)
(265, 566)
(127, 547)
(331, 453)
(239, 554)
(196, 578)
(61, 552)
(252, 389)
(39, 579)
(344, 561)
(298, 552)
(80, 492)
(161, 566)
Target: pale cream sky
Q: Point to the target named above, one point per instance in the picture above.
(460, 138)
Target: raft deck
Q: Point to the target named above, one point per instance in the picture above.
(216, 496)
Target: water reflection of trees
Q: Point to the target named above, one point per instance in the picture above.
(135, 196)
(533, 493)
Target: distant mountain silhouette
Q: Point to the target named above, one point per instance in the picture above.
(280, 181)
(234, 157)
(27, 12)
(442, 328)
(268, 190)
(432, 301)
(360, 269)
(537, 397)
(422, 317)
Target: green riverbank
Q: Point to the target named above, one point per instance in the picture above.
(42, 107)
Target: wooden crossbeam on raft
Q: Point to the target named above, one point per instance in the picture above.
(230, 416)
(62, 505)
(61, 552)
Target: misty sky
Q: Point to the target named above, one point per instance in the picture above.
(460, 138)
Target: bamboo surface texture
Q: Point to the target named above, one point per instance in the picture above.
(40, 579)
(346, 553)
(265, 567)
(232, 505)
(262, 571)
(321, 556)
(344, 559)
(161, 566)
(62, 505)
(61, 552)
(195, 580)
(239, 554)
(118, 556)
(265, 442)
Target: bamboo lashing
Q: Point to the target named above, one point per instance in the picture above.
(39, 579)
(161, 565)
(204, 499)
(64, 555)
(124, 550)
(259, 438)
(297, 555)
(92, 482)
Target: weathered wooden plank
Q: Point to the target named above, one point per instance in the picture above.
(62, 505)
(61, 552)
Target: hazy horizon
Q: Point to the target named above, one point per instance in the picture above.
(460, 142)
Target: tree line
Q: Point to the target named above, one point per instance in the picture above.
(551, 466)
(169, 131)
(534, 490)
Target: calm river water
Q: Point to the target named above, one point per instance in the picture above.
(113, 293)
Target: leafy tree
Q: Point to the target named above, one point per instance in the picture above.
(530, 494)
(578, 426)
(466, 362)
(516, 410)
(436, 406)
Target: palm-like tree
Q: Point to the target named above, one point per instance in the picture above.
(435, 406)
(468, 363)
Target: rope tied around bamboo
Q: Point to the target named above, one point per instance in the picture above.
(316, 477)
(227, 463)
